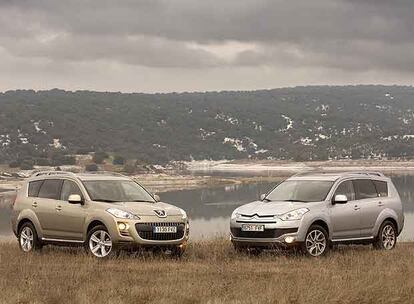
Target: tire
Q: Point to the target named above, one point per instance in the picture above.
(99, 243)
(316, 242)
(28, 238)
(177, 252)
(387, 236)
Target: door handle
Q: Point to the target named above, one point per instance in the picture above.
(58, 208)
(34, 204)
(356, 207)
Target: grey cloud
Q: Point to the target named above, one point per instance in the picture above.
(353, 36)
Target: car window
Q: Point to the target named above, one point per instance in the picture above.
(364, 188)
(50, 189)
(69, 188)
(34, 188)
(382, 188)
(346, 188)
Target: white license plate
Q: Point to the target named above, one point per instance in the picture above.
(165, 229)
(252, 227)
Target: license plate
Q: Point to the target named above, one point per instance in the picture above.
(252, 227)
(165, 229)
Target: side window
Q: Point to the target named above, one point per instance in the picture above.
(346, 188)
(69, 188)
(364, 188)
(50, 189)
(382, 188)
(34, 188)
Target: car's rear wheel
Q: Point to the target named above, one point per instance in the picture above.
(316, 242)
(99, 242)
(28, 239)
(387, 236)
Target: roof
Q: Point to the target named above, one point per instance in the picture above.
(333, 176)
(99, 175)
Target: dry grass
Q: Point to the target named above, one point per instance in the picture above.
(210, 272)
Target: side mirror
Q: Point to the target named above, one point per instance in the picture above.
(340, 199)
(157, 198)
(75, 199)
(262, 197)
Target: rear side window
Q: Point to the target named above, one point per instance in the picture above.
(51, 189)
(382, 188)
(34, 188)
(69, 188)
(346, 188)
(364, 188)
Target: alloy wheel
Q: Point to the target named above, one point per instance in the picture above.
(100, 243)
(315, 243)
(388, 237)
(26, 239)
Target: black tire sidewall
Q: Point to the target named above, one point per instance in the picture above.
(378, 244)
(88, 250)
(36, 243)
(325, 233)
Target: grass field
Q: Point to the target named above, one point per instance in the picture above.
(210, 272)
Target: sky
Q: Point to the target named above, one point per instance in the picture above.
(194, 45)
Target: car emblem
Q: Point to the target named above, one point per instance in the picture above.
(160, 213)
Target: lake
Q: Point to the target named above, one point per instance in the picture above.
(209, 209)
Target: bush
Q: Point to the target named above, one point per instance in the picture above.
(99, 157)
(129, 168)
(118, 160)
(27, 165)
(91, 167)
(14, 164)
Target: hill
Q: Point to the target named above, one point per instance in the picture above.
(302, 123)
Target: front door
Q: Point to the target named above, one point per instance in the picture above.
(71, 217)
(345, 218)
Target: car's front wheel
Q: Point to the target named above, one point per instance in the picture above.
(28, 239)
(99, 242)
(387, 236)
(316, 242)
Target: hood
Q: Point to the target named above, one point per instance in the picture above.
(272, 208)
(145, 209)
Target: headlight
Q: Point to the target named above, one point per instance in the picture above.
(183, 213)
(235, 215)
(122, 214)
(294, 215)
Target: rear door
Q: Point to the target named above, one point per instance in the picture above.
(71, 217)
(369, 202)
(345, 218)
(45, 206)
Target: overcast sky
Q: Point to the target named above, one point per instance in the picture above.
(203, 45)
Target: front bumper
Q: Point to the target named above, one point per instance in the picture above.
(276, 234)
(134, 236)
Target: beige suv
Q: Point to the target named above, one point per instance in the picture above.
(104, 212)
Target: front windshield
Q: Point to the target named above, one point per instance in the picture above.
(300, 191)
(117, 191)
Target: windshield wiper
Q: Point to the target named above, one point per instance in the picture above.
(266, 199)
(142, 201)
(106, 200)
(295, 201)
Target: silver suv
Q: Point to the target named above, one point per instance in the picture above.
(103, 212)
(315, 210)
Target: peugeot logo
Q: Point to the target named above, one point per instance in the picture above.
(160, 213)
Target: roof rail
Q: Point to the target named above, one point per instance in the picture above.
(105, 173)
(40, 173)
(367, 173)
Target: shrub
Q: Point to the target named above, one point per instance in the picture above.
(118, 160)
(91, 167)
(99, 157)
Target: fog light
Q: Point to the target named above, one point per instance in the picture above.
(289, 239)
(123, 226)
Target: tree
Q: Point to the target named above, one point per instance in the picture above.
(99, 157)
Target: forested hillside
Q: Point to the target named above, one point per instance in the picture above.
(296, 123)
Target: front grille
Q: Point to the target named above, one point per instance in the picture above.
(146, 231)
(267, 234)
